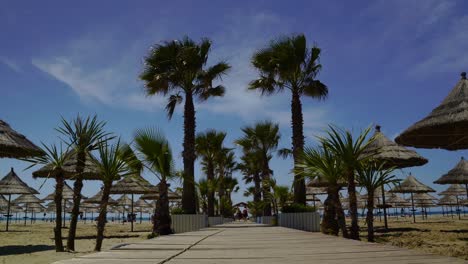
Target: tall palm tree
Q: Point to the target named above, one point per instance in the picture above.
(287, 63)
(55, 158)
(155, 152)
(262, 138)
(230, 185)
(208, 146)
(83, 135)
(321, 163)
(177, 69)
(372, 176)
(349, 150)
(115, 161)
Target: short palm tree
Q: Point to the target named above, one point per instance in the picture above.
(154, 150)
(321, 163)
(287, 63)
(177, 69)
(349, 150)
(82, 135)
(115, 161)
(251, 168)
(225, 165)
(230, 185)
(55, 158)
(203, 190)
(262, 138)
(208, 146)
(372, 177)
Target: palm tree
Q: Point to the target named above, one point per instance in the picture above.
(230, 185)
(321, 163)
(208, 146)
(54, 158)
(251, 169)
(178, 68)
(83, 135)
(156, 154)
(203, 189)
(225, 165)
(280, 195)
(349, 150)
(288, 63)
(262, 138)
(372, 176)
(115, 161)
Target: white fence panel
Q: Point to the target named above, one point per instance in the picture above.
(186, 223)
(215, 220)
(302, 221)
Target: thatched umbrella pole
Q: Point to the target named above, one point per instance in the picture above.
(131, 216)
(25, 214)
(412, 205)
(8, 211)
(458, 207)
(64, 212)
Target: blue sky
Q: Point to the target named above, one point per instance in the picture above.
(385, 62)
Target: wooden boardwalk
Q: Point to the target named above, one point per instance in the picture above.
(255, 244)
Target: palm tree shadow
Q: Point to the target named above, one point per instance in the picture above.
(106, 237)
(26, 249)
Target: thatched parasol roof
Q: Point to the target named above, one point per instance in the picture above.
(12, 184)
(155, 196)
(424, 197)
(96, 199)
(316, 190)
(311, 198)
(124, 200)
(67, 194)
(394, 155)
(322, 182)
(91, 172)
(425, 203)
(3, 202)
(26, 199)
(411, 185)
(15, 145)
(457, 175)
(132, 184)
(454, 189)
(447, 200)
(394, 199)
(36, 206)
(142, 204)
(446, 126)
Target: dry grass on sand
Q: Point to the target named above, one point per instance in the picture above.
(34, 244)
(438, 235)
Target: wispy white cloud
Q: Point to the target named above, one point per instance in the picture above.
(11, 64)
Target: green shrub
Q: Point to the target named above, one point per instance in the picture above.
(297, 208)
(152, 235)
(177, 210)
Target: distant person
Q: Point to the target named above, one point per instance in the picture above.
(245, 214)
(239, 214)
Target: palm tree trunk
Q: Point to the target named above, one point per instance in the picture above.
(329, 224)
(58, 212)
(162, 219)
(353, 210)
(211, 198)
(258, 190)
(80, 165)
(340, 214)
(222, 198)
(298, 145)
(370, 216)
(266, 187)
(188, 194)
(101, 225)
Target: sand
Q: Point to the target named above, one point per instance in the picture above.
(438, 235)
(34, 244)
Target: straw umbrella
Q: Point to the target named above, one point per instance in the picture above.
(411, 185)
(446, 126)
(96, 199)
(457, 175)
(67, 195)
(312, 192)
(35, 208)
(455, 190)
(424, 200)
(12, 184)
(14, 145)
(449, 201)
(132, 184)
(123, 201)
(142, 204)
(27, 200)
(383, 149)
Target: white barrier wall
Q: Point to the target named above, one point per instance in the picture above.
(302, 221)
(188, 222)
(215, 220)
